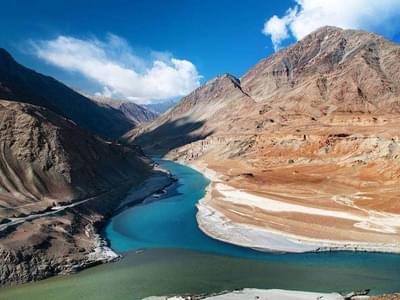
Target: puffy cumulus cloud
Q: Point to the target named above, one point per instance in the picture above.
(278, 29)
(114, 65)
(382, 16)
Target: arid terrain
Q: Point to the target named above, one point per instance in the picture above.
(21, 84)
(304, 148)
(61, 175)
(302, 152)
(47, 163)
(135, 113)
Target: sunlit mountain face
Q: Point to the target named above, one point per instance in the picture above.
(200, 150)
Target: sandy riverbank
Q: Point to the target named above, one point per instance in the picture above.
(232, 215)
(250, 294)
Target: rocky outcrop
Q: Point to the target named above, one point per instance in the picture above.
(58, 244)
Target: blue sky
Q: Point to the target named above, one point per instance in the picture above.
(193, 40)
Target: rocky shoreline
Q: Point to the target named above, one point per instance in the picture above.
(69, 240)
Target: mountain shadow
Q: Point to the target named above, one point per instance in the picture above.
(171, 135)
(18, 83)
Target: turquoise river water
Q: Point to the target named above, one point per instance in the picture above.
(178, 258)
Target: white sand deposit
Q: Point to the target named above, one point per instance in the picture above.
(251, 294)
(214, 223)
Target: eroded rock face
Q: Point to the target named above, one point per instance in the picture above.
(217, 105)
(316, 124)
(330, 70)
(47, 161)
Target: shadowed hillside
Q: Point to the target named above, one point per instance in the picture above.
(18, 83)
(135, 113)
(46, 162)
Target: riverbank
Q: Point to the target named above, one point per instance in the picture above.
(184, 272)
(164, 228)
(275, 294)
(159, 180)
(155, 183)
(235, 216)
(67, 239)
(250, 294)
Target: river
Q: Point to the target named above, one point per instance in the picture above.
(178, 258)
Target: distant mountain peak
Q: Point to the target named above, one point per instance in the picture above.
(134, 112)
(326, 29)
(330, 65)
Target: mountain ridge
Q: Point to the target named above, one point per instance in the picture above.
(136, 113)
(48, 162)
(320, 58)
(21, 84)
(315, 125)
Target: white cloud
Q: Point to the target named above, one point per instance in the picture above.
(277, 27)
(382, 16)
(114, 65)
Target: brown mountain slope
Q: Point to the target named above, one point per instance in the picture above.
(46, 162)
(206, 110)
(137, 114)
(46, 158)
(330, 70)
(18, 83)
(315, 125)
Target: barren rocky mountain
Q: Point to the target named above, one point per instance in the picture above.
(18, 83)
(47, 159)
(137, 114)
(46, 163)
(312, 132)
(215, 106)
(161, 107)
